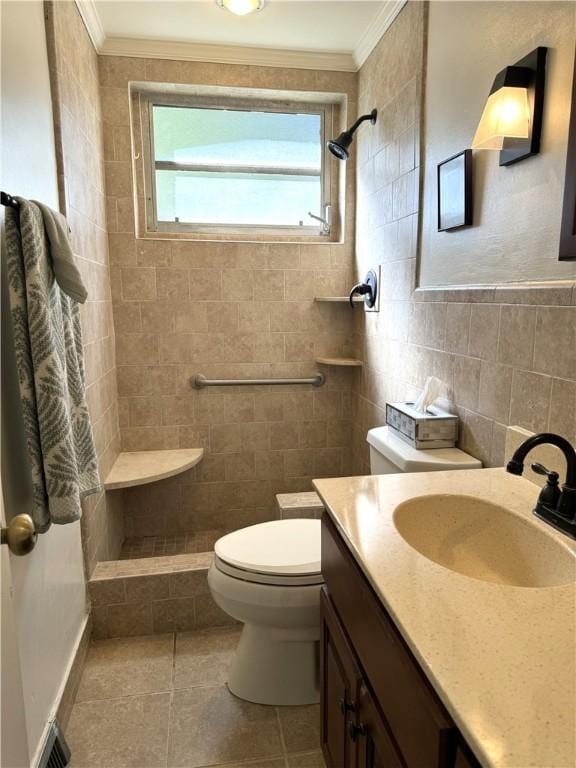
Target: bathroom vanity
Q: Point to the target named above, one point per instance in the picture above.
(450, 664)
(378, 708)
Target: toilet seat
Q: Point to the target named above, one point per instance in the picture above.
(280, 552)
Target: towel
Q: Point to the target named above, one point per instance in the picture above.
(49, 359)
(61, 255)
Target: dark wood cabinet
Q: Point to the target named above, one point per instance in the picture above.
(340, 678)
(375, 748)
(378, 709)
(353, 732)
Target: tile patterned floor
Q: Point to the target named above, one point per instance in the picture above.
(160, 701)
(159, 546)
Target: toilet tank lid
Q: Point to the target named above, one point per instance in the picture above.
(290, 547)
(409, 459)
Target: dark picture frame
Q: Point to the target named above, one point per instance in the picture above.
(454, 191)
(568, 225)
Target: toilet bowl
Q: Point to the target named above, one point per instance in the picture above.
(268, 576)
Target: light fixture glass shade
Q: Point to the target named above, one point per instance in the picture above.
(241, 7)
(506, 114)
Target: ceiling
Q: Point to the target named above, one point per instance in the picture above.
(338, 32)
(325, 26)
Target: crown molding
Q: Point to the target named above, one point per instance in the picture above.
(239, 54)
(91, 19)
(377, 28)
(228, 54)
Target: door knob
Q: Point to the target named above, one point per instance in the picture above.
(20, 535)
(368, 289)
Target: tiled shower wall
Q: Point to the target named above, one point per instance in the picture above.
(227, 310)
(78, 129)
(509, 354)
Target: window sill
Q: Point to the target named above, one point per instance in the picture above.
(233, 237)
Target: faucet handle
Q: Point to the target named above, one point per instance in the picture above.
(540, 469)
(550, 494)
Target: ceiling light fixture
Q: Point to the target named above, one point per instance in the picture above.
(241, 7)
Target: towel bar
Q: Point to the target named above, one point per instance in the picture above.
(199, 381)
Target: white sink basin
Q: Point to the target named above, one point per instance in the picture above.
(484, 541)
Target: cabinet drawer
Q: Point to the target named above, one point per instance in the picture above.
(421, 726)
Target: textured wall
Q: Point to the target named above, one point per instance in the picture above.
(225, 310)
(509, 355)
(79, 148)
(517, 209)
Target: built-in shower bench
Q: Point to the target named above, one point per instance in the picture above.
(141, 467)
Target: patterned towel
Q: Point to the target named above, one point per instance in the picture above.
(49, 359)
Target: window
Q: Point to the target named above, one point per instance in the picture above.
(236, 166)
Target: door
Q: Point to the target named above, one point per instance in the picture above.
(43, 593)
(375, 746)
(338, 686)
(14, 740)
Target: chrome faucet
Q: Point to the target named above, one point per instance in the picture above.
(555, 506)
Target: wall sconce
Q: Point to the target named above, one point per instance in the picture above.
(512, 118)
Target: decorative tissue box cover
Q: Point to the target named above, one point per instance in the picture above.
(434, 429)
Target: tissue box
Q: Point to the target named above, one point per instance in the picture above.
(434, 429)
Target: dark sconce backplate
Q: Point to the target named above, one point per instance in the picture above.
(519, 149)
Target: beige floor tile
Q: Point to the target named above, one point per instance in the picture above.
(307, 760)
(127, 666)
(300, 727)
(210, 726)
(129, 732)
(273, 762)
(203, 657)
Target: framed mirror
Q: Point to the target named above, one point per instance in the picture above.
(568, 226)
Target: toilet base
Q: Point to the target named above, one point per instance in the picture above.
(272, 667)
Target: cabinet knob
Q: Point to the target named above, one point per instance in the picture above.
(356, 730)
(347, 706)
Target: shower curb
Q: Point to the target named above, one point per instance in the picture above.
(153, 596)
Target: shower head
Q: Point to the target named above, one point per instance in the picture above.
(340, 147)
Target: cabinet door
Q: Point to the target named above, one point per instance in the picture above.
(375, 745)
(338, 686)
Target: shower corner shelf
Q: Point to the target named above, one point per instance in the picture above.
(338, 299)
(344, 362)
(141, 467)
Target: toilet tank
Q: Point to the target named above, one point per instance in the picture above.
(389, 454)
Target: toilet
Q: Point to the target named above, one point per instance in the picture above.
(268, 576)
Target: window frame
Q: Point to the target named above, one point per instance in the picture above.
(153, 225)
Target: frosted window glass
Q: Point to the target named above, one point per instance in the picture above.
(238, 198)
(271, 166)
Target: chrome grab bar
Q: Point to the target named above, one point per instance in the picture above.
(199, 381)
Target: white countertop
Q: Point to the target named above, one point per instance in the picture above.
(501, 658)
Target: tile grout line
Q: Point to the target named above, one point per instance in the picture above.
(281, 733)
(160, 692)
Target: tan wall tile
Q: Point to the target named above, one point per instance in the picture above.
(138, 284)
(530, 400)
(555, 343)
(498, 347)
(516, 337)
